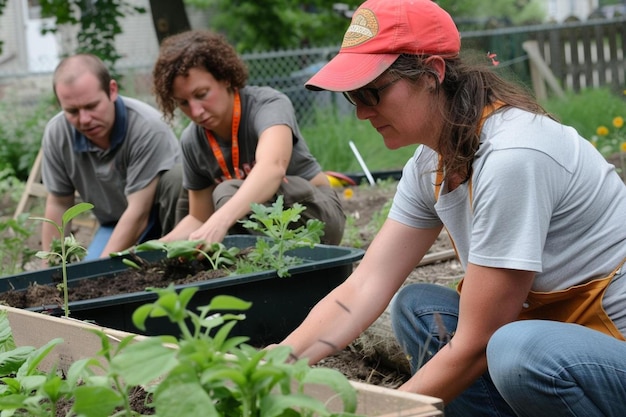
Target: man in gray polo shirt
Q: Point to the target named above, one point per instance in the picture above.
(116, 152)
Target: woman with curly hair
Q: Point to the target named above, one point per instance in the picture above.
(243, 144)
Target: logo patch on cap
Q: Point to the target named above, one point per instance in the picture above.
(364, 26)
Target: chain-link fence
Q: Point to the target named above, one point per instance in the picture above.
(287, 71)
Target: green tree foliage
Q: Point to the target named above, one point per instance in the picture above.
(517, 12)
(263, 25)
(99, 22)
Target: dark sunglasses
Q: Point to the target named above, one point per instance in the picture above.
(369, 96)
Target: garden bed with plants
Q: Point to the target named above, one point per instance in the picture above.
(59, 367)
(283, 271)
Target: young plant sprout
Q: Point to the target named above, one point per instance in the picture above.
(69, 245)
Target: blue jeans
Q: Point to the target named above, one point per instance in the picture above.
(558, 369)
(104, 232)
(536, 368)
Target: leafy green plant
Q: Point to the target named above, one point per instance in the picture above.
(75, 252)
(270, 252)
(69, 248)
(11, 188)
(25, 391)
(218, 255)
(203, 372)
(13, 254)
(275, 222)
(21, 130)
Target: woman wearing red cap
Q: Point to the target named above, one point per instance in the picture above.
(538, 218)
(243, 144)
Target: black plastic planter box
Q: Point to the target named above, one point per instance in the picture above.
(278, 304)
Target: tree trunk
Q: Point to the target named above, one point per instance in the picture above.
(169, 18)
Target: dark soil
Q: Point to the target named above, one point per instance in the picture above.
(157, 274)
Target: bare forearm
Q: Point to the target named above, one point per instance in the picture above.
(448, 373)
(336, 321)
(126, 234)
(256, 188)
(317, 338)
(183, 229)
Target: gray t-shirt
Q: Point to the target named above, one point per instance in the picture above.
(261, 108)
(143, 145)
(543, 199)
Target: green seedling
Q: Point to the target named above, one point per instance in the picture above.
(275, 222)
(70, 247)
(217, 254)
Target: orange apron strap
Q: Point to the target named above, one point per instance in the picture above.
(580, 304)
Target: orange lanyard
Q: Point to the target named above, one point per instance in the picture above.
(215, 147)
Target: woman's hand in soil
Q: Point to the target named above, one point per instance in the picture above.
(212, 231)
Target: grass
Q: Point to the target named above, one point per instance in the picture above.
(588, 110)
(329, 139)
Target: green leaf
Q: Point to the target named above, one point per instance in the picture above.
(140, 315)
(180, 394)
(150, 245)
(6, 335)
(96, 401)
(142, 362)
(35, 358)
(75, 210)
(275, 405)
(228, 302)
(337, 381)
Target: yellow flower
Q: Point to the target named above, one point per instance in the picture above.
(622, 147)
(618, 122)
(602, 131)
(348, 193)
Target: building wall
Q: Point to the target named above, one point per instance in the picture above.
(12, 37)
(559, 10)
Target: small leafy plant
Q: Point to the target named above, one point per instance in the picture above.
(13, 254)
(203, 372)
(217, 254)
(69, 248)
(275, 222)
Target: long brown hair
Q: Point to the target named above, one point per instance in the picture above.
(468, 89)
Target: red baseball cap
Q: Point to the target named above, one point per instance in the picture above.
(382, 30)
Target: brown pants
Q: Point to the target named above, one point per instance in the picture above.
(167, 199)
(321, 203)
